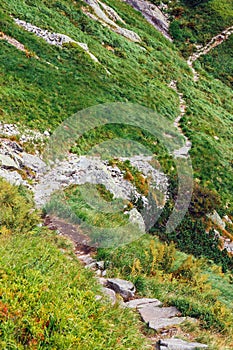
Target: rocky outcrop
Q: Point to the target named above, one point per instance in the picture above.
(12, 130)
(74, 171)
(108, 17)
(53, 38)
(152, 14)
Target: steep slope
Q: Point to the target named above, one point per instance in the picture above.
(60, 57)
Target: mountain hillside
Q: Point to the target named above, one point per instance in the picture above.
(77, 76)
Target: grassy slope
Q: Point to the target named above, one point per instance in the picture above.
(47, 299)
(39, 95)
(219, 62)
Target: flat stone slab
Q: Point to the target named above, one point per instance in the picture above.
(143, 302)
(178, 344)
(166, 322)
(125, 288)
(150, 313)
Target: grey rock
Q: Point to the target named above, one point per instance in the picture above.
(100, 265)
(33, 162)
(110, 294)
(152, 14)
(107, 17)
(226, 217)
(178, 344)
(125, 288)
(92, 265)
(165, 322)
(150, 313)
(13, 177)
(8, 162)
(102, 281)
(104, 273)
(143, 302)
(87, 259)
(53, 38)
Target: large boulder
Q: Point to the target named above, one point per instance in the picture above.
(125, 288)
(136, 218)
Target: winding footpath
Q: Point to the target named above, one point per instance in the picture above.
(203, 50)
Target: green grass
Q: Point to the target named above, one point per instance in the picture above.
(219, 62)
(100, 218)
(40, 96)
(197, 25)
(48, 300)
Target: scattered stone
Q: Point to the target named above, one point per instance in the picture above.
(178, 344)
(102, 281)
(143, 302)
(87, 259)
(216, 219)
(92, 265)
(110, 294)
(125, 288)
(100, 265)
(227, 219)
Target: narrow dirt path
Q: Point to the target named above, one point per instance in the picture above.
(203, 50)
(215, 41)
(184, 150)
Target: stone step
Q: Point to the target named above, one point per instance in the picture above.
(178, 344)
